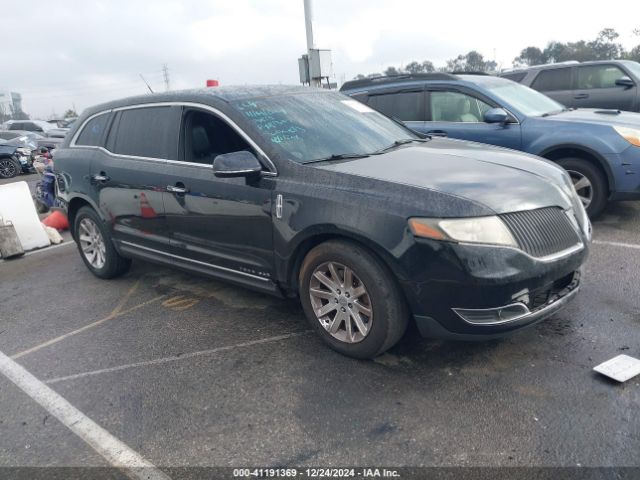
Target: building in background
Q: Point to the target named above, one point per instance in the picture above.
(11, 106)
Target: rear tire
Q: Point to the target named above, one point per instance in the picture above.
(590, 183)
(340, 282)
(96, 246)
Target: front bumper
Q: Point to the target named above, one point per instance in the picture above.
(429, 327)
(478, 292)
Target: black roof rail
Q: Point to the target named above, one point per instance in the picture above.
(381, 80)
(470, 72)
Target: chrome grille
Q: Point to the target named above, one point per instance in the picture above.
(542, 232)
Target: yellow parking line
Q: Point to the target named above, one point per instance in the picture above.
(115, 313)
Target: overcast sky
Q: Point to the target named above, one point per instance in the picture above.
(79, 53)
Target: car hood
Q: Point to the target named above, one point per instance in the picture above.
(598, 117)
(502, 180)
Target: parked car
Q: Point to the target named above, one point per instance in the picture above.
(295, 191)
(50, 142)
(38, 126)
(604, 84)
(599, 148)
(18, 150)
(9, 161)
(21, 138)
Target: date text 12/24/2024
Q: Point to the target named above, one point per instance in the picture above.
(313, 473)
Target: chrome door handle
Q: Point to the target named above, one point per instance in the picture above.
(174, 189)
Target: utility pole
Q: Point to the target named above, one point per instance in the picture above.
(308, 24)
(165, 74)
(316, 64)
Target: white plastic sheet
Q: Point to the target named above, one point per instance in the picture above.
(16, 206)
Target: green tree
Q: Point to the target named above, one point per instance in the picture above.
(71, 113)
(528, 57)
(471, 62)
(420, 67)
(391, 71)
(604, 47)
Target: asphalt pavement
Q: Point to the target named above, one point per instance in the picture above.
(190, 372)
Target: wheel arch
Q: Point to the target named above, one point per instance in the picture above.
(568, 150)
(75, 204)
(309, 240)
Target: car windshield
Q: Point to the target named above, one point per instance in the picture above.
(524, 99)
(320, 125)
(634, 67)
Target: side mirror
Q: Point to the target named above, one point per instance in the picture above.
(496, 115)
(236, 164)
(625, 82)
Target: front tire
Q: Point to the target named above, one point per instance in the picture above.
(96, 247)
(9, 168)
(351, 299)
(590, 183)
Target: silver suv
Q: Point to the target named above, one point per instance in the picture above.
(608, 84)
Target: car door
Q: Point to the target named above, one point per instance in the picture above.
(129, 176)
(459, 114)
(557, 83)
(405, 104)
(596, 88)
(221, 226)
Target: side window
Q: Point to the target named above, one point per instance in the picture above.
(552, 80)
(142, 132)
(16, 126)
(405, 106)
(457, 107)
(92, 133)
(515, 77)
(599, 76)
(206, 136)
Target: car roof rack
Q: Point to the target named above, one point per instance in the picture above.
(383, 79)
(470, 72)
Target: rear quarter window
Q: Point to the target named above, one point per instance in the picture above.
(92, 133)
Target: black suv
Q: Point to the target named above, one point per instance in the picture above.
(302, 192)
(610, 84)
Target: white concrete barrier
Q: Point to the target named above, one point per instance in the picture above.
(16, 206)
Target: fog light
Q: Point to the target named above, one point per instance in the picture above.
(493, 316)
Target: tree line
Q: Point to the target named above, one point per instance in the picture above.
(604, 47)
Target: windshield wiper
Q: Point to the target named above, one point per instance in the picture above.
(399, 143)
(555, 112)
(337, 156)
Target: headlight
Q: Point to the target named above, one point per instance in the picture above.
(24, 151)
(631, 135)
(487, 230)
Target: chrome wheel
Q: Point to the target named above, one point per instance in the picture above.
(583, 187)
(8, 169)
(92, 243)
(341, 302)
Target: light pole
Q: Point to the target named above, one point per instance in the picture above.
(316, 64)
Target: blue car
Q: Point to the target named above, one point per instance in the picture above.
(599, 148)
